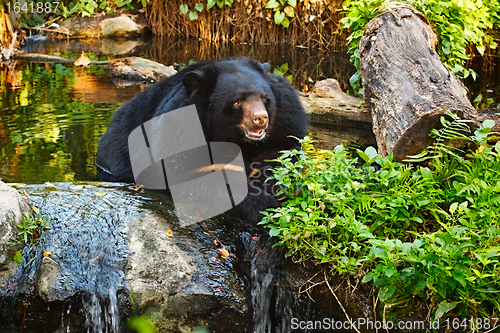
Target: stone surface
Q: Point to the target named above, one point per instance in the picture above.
(329, 103)
(119, 26)
(49, 273)
(139, 70)
(102, 25)
(12, 208)
(179, 285)
(116, 252)
(330, 88)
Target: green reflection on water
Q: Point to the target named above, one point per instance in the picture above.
(47, 131)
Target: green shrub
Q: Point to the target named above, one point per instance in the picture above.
(428, 232)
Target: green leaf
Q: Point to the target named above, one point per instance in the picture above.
(193, 15)
(368, 277)
(272, 4)
(274, 231)
(386, 292)
(478, 99)
(371, 152)
(289, 11)
(303, 204)
(426, 173)
(364, 156)
(211, 3)
(461, 278)
(444, 307)
(390, 271)
(285, 22)
(420, 285)
(184, 9)
(199, 7)
(453, 207)
(279, 17)
(480, 49)
(277, 72)
(292, 3)
(488, 123)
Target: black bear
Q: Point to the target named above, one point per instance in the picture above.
(237, 101)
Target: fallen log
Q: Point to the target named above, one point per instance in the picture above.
(406, 86)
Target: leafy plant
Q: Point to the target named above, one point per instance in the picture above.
(425, 231)
(459, 24)
(18, 257)
(283, 71)
(283, 10)
(31, 228)
(198, 8)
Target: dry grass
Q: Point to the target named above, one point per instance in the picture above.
(315, 23)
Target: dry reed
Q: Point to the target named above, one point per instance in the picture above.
(315, 23)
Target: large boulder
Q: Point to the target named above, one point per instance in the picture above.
(112, 252)
(12, 209)
(102, 25)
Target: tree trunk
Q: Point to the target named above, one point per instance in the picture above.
(406, 87)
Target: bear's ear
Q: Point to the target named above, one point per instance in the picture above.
(193, 80)
(266, 67)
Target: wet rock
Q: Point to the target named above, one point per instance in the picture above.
(49, 272)
(179, 280)
(12, 209)
(102, 25)
(113, 255)
(136, 69)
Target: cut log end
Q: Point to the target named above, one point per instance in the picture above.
(416, 138)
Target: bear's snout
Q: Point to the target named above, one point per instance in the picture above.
(255, 118)
(260, 118)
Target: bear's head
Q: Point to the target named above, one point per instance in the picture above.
(237, 99)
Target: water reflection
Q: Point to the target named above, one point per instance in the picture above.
(307, 65)
(51, 124)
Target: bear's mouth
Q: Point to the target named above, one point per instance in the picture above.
(255, 135)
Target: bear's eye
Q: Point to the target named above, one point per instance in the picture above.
(237, 104)
(265, 98)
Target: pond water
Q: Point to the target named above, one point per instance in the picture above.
(52, 115)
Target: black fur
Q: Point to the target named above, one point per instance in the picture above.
(213, 86)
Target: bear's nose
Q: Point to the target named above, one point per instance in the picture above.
(260, 118)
